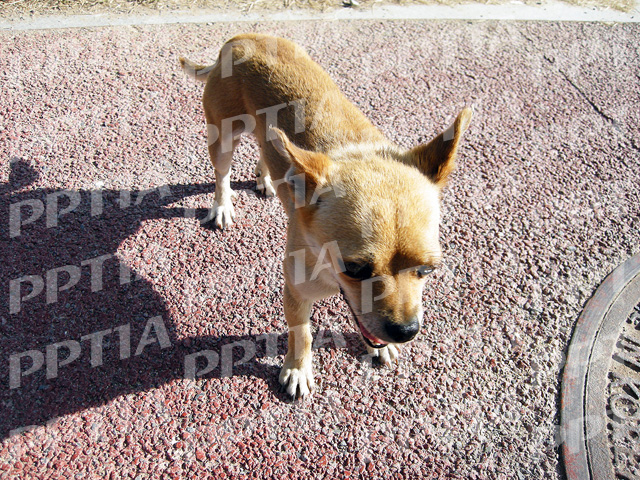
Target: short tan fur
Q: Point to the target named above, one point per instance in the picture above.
(363, 213)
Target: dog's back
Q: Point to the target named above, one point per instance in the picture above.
(279, 76)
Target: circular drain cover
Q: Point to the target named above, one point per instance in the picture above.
(601, 382)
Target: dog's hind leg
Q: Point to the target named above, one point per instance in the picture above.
(263, 178)
(221, 154)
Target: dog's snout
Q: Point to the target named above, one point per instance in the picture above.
(403, 332)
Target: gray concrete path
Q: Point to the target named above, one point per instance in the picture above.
(552, 11)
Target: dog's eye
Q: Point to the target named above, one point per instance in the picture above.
(424, 270)
(358, 271)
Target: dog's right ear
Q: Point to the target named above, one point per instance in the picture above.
(313, 166)
(437, 158)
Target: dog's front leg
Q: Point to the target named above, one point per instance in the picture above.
(385, 355)
(297, 372)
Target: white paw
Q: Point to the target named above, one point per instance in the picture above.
(269, 190)
(224, 215)
(297, 381)
(387, 355)
(264, 184)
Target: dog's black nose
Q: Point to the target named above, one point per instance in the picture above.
(402, 332)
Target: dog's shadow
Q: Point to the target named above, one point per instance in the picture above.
(79, 328)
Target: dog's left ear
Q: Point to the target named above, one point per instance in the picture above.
(437, 158)
(312, 165)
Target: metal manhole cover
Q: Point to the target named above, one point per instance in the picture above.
(601, 382)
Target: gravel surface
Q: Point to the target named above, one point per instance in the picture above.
(543, 205)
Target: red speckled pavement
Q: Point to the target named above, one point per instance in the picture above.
(104, 170)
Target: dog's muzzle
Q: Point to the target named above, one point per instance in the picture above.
(368, 338)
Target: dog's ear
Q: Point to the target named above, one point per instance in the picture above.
(312, 165)
(437, 158)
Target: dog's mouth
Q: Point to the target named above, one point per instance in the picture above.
(368, 338)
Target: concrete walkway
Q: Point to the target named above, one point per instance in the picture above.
(551, 11)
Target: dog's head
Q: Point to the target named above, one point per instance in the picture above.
(371, 217)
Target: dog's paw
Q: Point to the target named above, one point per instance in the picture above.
(221, 215)
(298, 382)
(225, 215)
(264, 184)
(386, 355)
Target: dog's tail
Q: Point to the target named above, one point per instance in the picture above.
(195, 70)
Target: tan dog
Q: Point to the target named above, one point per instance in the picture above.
(363, 213)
